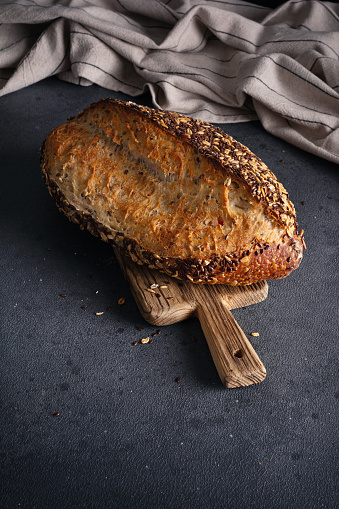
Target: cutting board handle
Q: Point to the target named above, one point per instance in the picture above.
(236, 361)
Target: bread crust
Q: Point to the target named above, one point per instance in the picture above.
(237, 246)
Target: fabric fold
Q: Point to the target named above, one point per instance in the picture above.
(218, 61)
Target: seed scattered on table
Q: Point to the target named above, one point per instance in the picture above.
(177, 379)
(255, 334)
(63, 295)
(56, 414)
(144, 340)
(121, 301)
(98, 314)
(156, 333)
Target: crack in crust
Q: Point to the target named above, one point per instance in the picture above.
(212, 142)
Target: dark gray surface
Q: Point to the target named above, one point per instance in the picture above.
(128, 435)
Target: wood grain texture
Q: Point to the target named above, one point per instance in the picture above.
(163, 300)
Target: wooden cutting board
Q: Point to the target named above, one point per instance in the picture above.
(163, 300)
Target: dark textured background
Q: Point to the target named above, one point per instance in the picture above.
(129, 436)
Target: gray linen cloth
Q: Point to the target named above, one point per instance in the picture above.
(220, 61)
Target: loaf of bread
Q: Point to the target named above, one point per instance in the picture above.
(174, 193)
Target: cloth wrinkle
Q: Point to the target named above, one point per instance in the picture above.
(219, 61)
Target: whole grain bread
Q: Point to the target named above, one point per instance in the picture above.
(174, 193)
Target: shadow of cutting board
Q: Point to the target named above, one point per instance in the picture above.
(163, 300)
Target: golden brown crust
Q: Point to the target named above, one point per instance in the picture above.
(244, 258)
(211, 141)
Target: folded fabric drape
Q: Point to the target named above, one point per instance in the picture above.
(221, 61)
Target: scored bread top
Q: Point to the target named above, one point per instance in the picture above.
(231, 155)
(173, 192)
